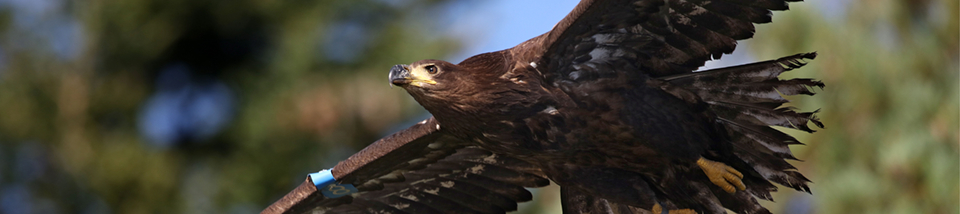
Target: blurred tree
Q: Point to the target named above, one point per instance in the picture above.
(307, 76)
(306, 80)
(890, 106)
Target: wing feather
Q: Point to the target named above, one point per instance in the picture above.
(575, 201)
(747, 100)
(667, 37)
(421, 170)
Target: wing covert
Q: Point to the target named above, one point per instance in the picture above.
(657, 37)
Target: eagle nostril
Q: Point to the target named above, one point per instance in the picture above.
(398, 75)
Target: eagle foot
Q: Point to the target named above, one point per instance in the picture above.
(659, 210)
(722, 175)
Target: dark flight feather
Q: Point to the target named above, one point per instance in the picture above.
(575, 201)
(473, 185)
(423, 171)
(746, 98)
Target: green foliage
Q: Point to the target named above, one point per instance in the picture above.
(298, 111)
(890, 106)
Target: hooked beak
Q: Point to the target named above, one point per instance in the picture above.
(399, 75)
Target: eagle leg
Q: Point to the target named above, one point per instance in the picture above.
(722, 175)
(659, 210)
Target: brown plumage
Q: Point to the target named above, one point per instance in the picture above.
(607, 106)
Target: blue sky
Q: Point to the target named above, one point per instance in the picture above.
(500, 24)
(492, 25)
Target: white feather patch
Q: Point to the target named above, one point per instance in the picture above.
(476, 169)
(550, 110)
(410, 197)
(435, 191)
(401, 205)
(447, 184)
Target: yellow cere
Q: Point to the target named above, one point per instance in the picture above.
(420, 76)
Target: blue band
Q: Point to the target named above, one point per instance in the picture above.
(328, 186)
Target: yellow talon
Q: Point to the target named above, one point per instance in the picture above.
(722, 175)
(657, 210)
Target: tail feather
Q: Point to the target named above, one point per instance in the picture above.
(751, 83)
(758, 92)
(760, 115)
(743, 202)
(770, 166)
(753, 72)
(575, 201)
(747, 100)
(761, 139)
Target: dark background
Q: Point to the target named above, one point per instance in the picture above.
(202, 106)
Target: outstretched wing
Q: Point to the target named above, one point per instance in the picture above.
(657, 37)
(420, 170)
(608, 45)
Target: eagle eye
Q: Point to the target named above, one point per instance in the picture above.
(432, 69)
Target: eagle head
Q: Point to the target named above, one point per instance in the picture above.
(423, 75)
(480, 87)
(432, 77)
(436, 84)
